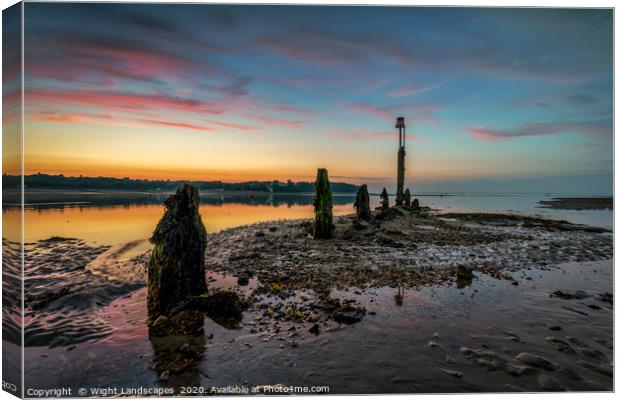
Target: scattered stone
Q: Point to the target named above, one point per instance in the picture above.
(451, 372)
(316, 329)
(560, 345)
(221, 303)
(578, 295)
(349, 315)
(547, 382)
(273, 228)
(340, 311)
(259, 233)
(243, 280)
(535, 360)
(606, 298)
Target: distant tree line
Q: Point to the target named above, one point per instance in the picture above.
(45, 181)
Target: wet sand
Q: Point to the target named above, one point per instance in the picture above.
(421, 329)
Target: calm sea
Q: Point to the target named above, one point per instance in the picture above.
(117, 217)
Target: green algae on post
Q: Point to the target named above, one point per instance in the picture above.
(176, 270)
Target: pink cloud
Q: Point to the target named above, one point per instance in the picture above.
(484, 134)
(276, 121)
(178, 125)
(91, 119)
(411, 90)
(232, 125)
(122, 101)
(593, 129)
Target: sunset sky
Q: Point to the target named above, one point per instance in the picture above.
(494, 99)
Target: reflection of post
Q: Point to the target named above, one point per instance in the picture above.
(399, 296)
(400, 179)
(179, 346)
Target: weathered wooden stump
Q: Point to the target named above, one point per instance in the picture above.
(385, 201)
(362, 203)
(176, 270)
(407, 198)
(416, 204)
(323, 217)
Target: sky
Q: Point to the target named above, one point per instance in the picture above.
(512, 100)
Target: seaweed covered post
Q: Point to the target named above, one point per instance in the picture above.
(407, 198)
(323, 216)
(385, 201)
(176, 270)
(362, 203)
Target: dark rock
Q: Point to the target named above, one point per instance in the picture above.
(579, 294)
(546, 382)
(340, 311)
(535, 360)
(176, 270)
(223, 306)
(606, 298)
(349, 315)
(362, 204)
(323, 217)
(560, 345)
(456, 374)
(273, 228)
(243, 280)
(316, 329)
(259, 233)
(464, 276)
(416, 204)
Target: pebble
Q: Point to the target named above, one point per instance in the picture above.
(535, 360)
(451, 372)
(547, 382)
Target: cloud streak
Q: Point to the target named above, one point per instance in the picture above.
(601, 129)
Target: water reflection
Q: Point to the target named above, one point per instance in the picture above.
(114, 220)
(84, 199)
(179, 346)
(463, 282)
(399, 297)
